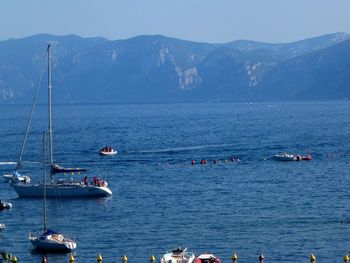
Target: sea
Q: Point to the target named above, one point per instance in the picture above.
(241, 201)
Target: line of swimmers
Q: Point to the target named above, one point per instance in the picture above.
(204, 161)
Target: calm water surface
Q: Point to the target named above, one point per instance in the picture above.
(284, 210)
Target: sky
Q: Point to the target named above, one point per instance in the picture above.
(213, 21)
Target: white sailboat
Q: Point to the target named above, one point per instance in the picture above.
(50, 240)
(55, 188)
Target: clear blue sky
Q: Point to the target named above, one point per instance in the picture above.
(214, 21)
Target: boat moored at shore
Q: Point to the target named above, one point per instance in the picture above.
(178, 255)
(207, 258)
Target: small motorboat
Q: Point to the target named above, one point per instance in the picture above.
(178, 255)
(21, 178)
(5, 205)
(2, 227)
(207, 258)
(108, 150)
(285, 157)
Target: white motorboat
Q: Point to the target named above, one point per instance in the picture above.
(108, 150)
(286, 157)
(178, 255)
(5, 205)
(55, 188)
(20, 178)
(207, 258)
(50, 240)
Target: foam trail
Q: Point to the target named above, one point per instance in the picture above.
(189, 148)
(7, 163)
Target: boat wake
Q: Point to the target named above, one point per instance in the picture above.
(7, 163)
(183, 149)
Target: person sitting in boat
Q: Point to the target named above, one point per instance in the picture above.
(85, 180)
(95, 180)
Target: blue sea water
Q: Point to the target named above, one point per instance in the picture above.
(285, 210)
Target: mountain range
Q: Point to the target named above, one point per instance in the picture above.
(159, 69)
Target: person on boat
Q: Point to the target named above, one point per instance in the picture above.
(99, 182)
(94, 180)
(85, 180)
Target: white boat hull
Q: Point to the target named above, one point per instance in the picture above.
(61, 190)
(184, 257)
(21, 178)
(285, 157)
(108, 153)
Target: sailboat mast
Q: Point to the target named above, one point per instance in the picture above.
(50, 110)
(44, 181)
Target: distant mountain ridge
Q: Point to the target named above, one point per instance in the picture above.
(152, 69)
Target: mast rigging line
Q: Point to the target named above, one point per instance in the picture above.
(19, 162)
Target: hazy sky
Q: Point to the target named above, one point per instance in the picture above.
(214, 21)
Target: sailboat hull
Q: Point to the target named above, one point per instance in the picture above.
(61, 190)
(46, 246)
(51, 243)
